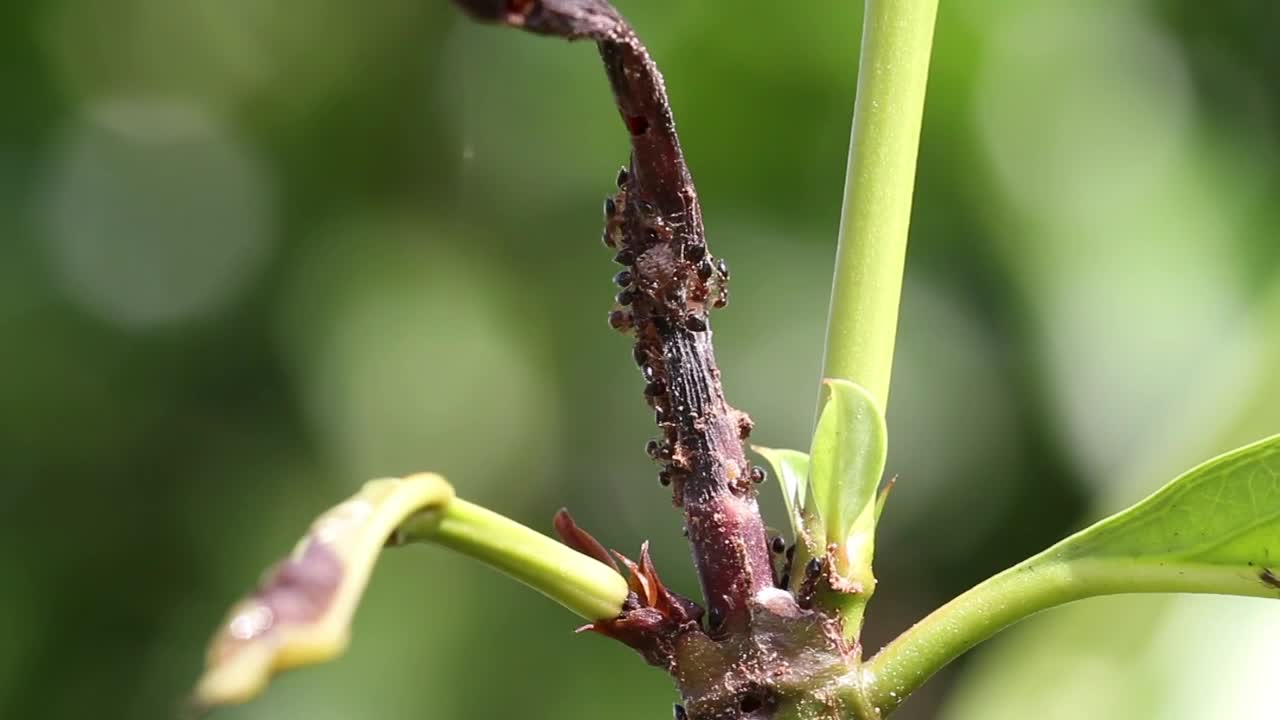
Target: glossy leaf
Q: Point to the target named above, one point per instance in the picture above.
(1221, 515)
(847, 461)
(791, 467)
(1215, 529)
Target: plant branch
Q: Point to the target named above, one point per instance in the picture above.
(1213, 529)
(669, 284)
(1022, 591)
(897, 38)
(584, 585)
(893, 70)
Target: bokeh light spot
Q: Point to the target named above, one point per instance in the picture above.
(154, 214)
(1082, 110)
(415, 358)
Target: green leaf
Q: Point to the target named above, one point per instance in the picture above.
(847, 461)
(1220, 520)
(1215, 529)
(792, 469)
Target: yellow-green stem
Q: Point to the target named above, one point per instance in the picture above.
(585, 586)
(897, 39)
(1037, 584)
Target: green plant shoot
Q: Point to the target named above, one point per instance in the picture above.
(1215, 529)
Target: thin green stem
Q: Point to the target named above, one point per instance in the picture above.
(1024, 590)
(897, 39)
(582, 584)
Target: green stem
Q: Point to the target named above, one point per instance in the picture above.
(1037, 584)
(897, 39)
(582, 584)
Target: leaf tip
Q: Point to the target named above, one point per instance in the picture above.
(301, 611)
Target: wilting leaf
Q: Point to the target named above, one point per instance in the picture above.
(581, 540)
(1214, 529)
(301, 612)
(849, 448)
(792, 469)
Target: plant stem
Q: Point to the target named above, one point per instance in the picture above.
(1036, 584)
(582, 584)
(897, 38)
(655, 222)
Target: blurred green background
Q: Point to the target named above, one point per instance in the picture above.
(255, 252)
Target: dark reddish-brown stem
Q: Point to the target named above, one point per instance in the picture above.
(669, 284)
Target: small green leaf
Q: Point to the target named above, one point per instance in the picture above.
(1223, 515)
(792, 469)
(847, 461)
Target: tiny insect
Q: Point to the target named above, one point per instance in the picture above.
(620, 320)
(705, 269)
